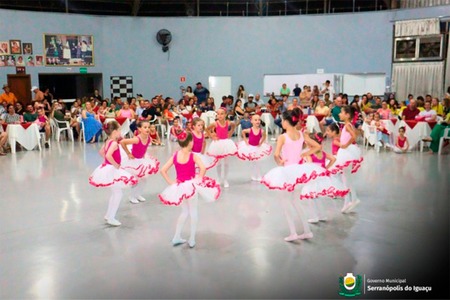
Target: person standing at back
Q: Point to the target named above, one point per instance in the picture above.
(284, 91)
(201, 93)
(297, 90)
(7, 95)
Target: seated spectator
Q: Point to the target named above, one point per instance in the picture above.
(3, 140)
(384, 111)
(314, 102)
(245, 122)
(92, 126)
(365, 105)
(420, 103)
(437, 107)
(382, 133)
(427, 114)
(394, 107)
(44, 125)
(411, 111)
(250, 106)
(153, 112)
(375, 107)
(58, 114)
(436, 133)
(326, 98)
(30, 115)
(75, 110)
(239, 112)
(259, 102)
(104, 108)
(111, 111)
(294, 104)
(321, 108)
(333, 114)
(126, 112)
(168, 114)
(47, 106)
(19, 108)
(358, 118)
(210, 106)
(11, 117)
(133, 104)
(272, 107)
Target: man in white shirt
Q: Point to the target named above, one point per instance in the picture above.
(258, 100)
(428, 114)
(327, 88)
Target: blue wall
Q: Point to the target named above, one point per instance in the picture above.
(244, 48)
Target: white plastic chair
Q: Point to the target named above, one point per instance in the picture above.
(60, 127)
(81, 136)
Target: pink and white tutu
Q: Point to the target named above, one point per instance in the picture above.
(107, 175)
(176, 193)
(287, 177)
(140, 167)
(208, 161)
(331, 187)
(252, 153)
(222, 148)
(350, 156)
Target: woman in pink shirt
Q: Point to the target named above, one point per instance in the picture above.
(126, 112)
(384, 111)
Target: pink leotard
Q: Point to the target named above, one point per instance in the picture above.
(222, 132)
(292, 150)
(198, 143)
(401, 143)
(115, 155)
(184, 171)
(138, 150)
(254, 139)
(334, 148)
(320, 161)
(345, 136)
(42, 119)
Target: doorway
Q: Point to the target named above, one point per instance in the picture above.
(71, 86)
(219, 86)
(20, 85)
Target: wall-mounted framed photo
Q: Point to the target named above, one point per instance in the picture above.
(68, 50)
(419, 48)
(39, 60)
(27, 48)
(15, 46)
(4, 47)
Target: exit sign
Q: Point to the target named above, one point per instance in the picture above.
(83, 70)
(183, 79)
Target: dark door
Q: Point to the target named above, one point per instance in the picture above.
(20, 85)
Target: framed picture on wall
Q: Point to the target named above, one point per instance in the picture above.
(4, 47)
(68, 50)
(39, 60)
(3, 60)
(10, 60)
(15, 46)
(30, 61)
(27, 48)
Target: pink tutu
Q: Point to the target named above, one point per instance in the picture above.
(287, 177)
(140, 167)
(208, 161)
(222, 148)
(249, 152)
(174, 194)
(351, 156)
(107, 175)
(331, 187)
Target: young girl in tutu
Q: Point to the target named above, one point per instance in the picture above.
(221, 146)
(176, 129)
(290, 173)
(402, 144)
(184, 190)
(137, 162)
(198, 126)
(110, 174)
(332, 131)
(254, 149)
(321, 187)
(348, 159)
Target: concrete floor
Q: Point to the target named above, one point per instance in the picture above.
(54, 243)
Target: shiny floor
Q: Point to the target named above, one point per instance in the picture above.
(54, 243)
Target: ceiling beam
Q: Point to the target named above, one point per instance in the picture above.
(136, 6)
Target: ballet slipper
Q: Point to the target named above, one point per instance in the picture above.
(291, 238)
(313, 221)
(178, 241)
(306, 236)
(353, 205)
(345, 208)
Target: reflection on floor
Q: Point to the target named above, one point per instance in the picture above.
(54, 243)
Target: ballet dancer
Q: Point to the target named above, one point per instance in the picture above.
(198, 128)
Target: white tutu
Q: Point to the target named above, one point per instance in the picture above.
(287, 177)
(330, 186)
(222, 148)
(140, 167)
(346, 157)
(174, 194)
(107, 175)
(208, 161)
(249, 152)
